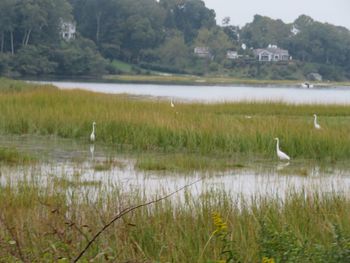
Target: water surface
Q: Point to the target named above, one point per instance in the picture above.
(75, 162)
(211, 94)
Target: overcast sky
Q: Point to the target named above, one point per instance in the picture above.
(242, 11)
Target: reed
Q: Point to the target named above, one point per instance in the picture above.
(143, 125)
(13, 86)
(185, 163)
(48, 215)
(52, 224)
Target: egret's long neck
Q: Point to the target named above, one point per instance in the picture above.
(277, 145)
(93, 128)
(315, 119)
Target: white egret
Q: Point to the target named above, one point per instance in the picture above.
(281, 155)
(317, 126)
(92, 136)
(172, 103)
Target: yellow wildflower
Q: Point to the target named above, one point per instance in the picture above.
(221, 226)
(268, 260)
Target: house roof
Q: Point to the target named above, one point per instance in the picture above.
(272, 51)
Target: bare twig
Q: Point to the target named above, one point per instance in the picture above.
(15, 238)
(126, 211)
(70, 222)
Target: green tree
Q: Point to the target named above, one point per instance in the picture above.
(231, 31)
(33, 18)
(79, 57)
(31, 21)
(188, 16)
(320, 43)
(33, 60)
(7, 22)
(264, 31)
(4, 63)
(216, 40)
(174, 51)
(121, 28)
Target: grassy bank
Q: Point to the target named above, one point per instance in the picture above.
(209, 80)
(220, 130)
(51, 225)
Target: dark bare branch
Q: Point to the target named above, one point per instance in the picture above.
(126, 211)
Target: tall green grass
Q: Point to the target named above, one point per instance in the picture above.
(152, 125)
(54, 223)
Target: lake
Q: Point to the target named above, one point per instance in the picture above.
(213, 94)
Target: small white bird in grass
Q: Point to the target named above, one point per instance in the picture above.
(317, 126)
(172, 103)
(92, 136)
(281, 155)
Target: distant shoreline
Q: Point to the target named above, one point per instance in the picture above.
(190, 80)
(211, 80)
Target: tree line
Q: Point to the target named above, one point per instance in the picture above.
(159, 35)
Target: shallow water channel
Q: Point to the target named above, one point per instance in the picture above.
(77, 162)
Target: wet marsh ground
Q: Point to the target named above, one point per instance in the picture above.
(57, 190)
(53, 220)
(144, 125)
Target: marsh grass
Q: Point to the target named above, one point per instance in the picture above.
(13, 86)
(53, 221)
(47, 224)
(65, 183)
(14, 157)
(107, 165)
(209, 130)
(183, 163)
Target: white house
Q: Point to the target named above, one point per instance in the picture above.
(202, 52)
(68, 30)
(271, 53)
(232, 54)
